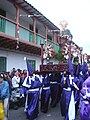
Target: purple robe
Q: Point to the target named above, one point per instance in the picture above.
(33, 104)
(65, 97)
(33, 99)
(85, 105)
(54, 87)
(45, 94)
(64, 102)
(54, 93)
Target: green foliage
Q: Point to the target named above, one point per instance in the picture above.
(59, 55)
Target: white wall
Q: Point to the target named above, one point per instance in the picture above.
(16, 60)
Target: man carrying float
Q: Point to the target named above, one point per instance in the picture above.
(45, 92)
(67, 102)
(31, 88)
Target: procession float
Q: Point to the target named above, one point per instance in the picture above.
(66, 48)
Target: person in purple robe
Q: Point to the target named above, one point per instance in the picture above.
(81, 74)
(67, 102)
(79, 81)
(45, 93)
(54, 87)
(67, 92)
(85, 100)
(84, 69)
(31, 89)
(33, 98)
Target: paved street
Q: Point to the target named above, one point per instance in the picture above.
(53, 114)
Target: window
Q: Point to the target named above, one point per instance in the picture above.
(33, 64)
(36, 30)
(2, 12)
(31, 34)
(31, 28)
(3, 64)
(49, 37)
(2, 21)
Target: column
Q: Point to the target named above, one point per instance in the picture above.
(34, 28)
(17, 27)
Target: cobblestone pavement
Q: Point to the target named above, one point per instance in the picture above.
(53, 114)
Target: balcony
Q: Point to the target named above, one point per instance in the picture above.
(26, 37)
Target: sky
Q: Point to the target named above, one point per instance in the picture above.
(75, 12)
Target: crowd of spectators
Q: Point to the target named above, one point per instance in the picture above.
(15, 78)
(10, 84)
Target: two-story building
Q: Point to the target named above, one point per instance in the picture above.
(22, 29)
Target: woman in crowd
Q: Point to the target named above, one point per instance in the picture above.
(4, 94)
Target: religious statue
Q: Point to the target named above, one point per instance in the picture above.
(65, 39)
(65, 33)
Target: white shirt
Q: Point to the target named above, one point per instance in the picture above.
(15, 81)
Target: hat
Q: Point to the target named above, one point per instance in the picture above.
(1, 75)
